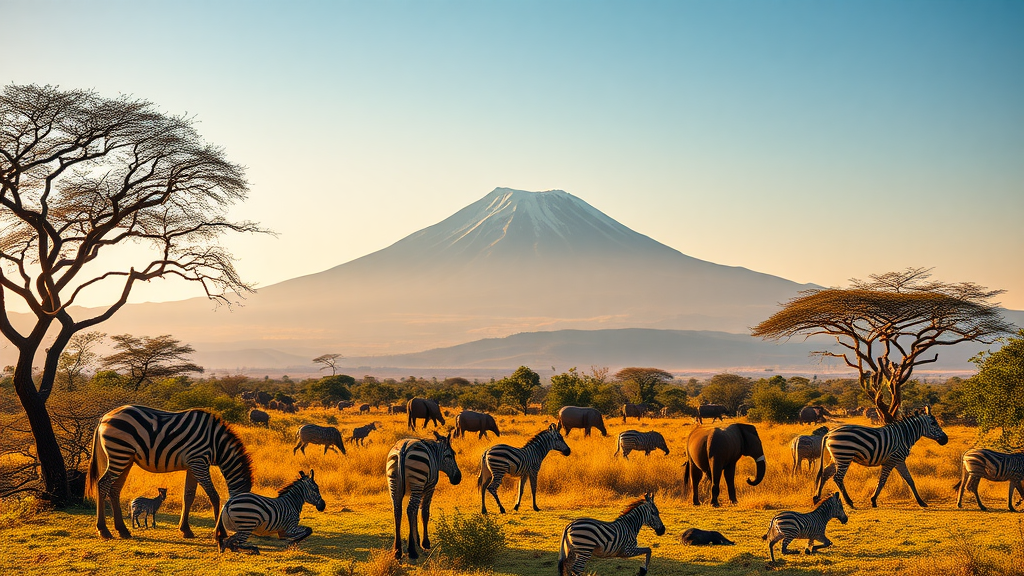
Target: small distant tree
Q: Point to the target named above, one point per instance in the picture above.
(995, 395)
(517, 388)
(571, 388)
(78, 356)
(232, 385)
(676, 399)
(330, 388)
(641, 384)
(144, 359)
(729, 390)
(888, 325)
(329, 361)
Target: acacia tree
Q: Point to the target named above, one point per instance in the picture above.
(79, 174)
(146, 359)
(328, 361)
(77, 357)
(641, 384)
(886, 326)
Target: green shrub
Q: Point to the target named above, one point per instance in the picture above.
(332, 419)
(206, 396)
(470, 540)
(771, 404)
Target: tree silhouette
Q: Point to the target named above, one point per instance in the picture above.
(329, 361)
(887, 324)
(641, 384)
(147, 359)
(79, 174)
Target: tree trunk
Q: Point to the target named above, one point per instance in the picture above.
(51, 459)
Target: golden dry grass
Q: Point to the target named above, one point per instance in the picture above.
(898, 536)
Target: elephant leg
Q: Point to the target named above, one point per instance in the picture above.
(716, 479)
(696, 475)
(903, 471)
(730, 481)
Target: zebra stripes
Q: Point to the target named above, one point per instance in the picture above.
(646, 442)
(159, 441)
(788, 526)
(325, 436)
(887, 447)
(145, 507)
(586, 537)
(807, 448)
(991, 465)
(412, 468)
(501, 459)
(247, 514)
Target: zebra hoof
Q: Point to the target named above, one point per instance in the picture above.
(922, 503)
(641, 572)
(874, 504)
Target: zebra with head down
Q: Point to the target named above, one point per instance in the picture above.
(586, 537)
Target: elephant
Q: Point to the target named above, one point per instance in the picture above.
(713, 451)
(634, 410)
(259, 417)
(713, 411)
(469, 421)
(426, 409)
(570, 417)
(813, 415)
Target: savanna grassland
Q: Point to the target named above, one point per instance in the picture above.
(354, 534)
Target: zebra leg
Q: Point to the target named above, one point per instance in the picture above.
(582, 557)
(632, 551)
(972, 485)
(493, 488)
(522, 485)
(428, 495)
(297, 534)
(102, 495)
(533, 490)
(771, 545)
(201, 471)
(882, 478)
(413, 513)
(825, 543)
(396, 505)
(785, 546)
(115, 503)
(187, 498)
(240, 539)
(840, 474)
(905, 473)
(297, 446)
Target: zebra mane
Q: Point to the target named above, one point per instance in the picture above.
(823, 502)
(536, 439)
(633, 506)
(289, 486)
(244, 459)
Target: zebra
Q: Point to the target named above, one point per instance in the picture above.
(327, 436)
(646, 441)
(146, 506)
(990, 465)
(413, 467)
(249, 513)
(586, 537)
(159, 441)
(524, 463)
(807, 448)
(887, 446)
(788, 526)
(359, 434)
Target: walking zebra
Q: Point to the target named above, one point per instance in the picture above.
(146, 506)
(158, 441)
(326, 436)
(990, 465)
(586, 537)
(788, 526)
(501, 459)
(412, 468)
(646, 441)
(887, 447)
(807, 448)
(247, 514)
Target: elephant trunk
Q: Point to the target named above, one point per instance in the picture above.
(760, 471)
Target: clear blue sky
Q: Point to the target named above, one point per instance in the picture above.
(813, 140)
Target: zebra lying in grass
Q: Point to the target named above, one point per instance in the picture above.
(990, 465)
(646, 442)
(586, 537)
(325, 436)
(146, 506)
(788, 526)
(249, 513)
(359, 434)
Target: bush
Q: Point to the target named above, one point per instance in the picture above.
(473, 540)
(205, 396)
(382, 562)
(771, 404)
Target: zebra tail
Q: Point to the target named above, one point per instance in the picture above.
(221, 533)
(483, 464)
(562, 548)
(92, 478)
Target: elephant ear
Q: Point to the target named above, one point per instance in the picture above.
(750, 437)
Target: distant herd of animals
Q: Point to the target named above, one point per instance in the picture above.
(194, 440)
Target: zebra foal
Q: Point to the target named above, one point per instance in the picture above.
(586, 537)
(247, 514)
(991, 465)
(413, 467)
(146, 506)
(325, 436)
(887, 446)
(501, 459)
(159, 441)
(645, 442)
(788, 526)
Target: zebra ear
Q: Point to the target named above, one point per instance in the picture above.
(310, 473)
(302, 474)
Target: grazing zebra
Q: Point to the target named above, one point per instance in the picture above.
(501, 460)
(990, 465)
(326, 436)
(646, 441)
(887, 447)
(412, 468)
(788, 526)
(807, 448)
(146, 506)
(158, 441)
(247, 514)
(586, 537)
(359, 434)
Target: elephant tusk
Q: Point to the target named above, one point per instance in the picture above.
(761, 459)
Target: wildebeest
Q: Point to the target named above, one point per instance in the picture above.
(364, 408)
(426, 409)
(713, 411)
(813, 414)
(634, 411)
(698, 537)
(570, 417)
(359, 434)
(326, 436)
(345, 404)
(469, 421)
(397, 409)
(807, 448)
(259, 417)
